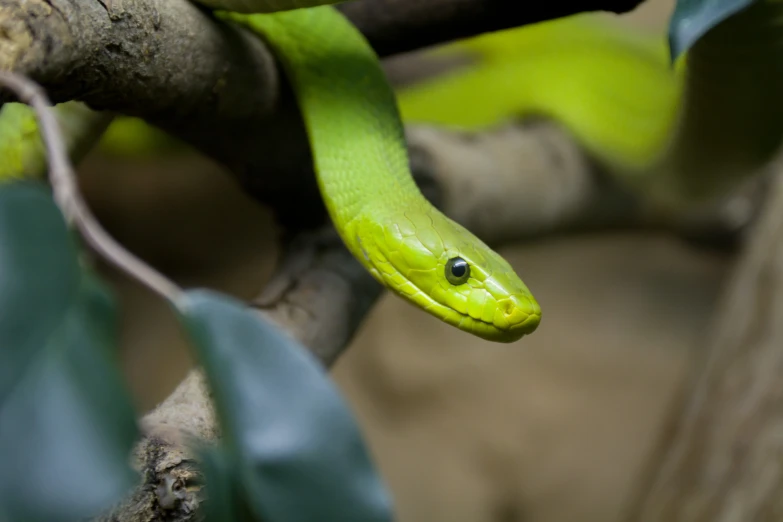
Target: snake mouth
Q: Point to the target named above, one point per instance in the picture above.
(493, 332)
(518, 321)
(524, 324)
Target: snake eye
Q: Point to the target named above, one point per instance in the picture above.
(457, 271)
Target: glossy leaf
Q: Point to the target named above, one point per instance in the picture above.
(66, 422)
(297, 449)
(693, 18)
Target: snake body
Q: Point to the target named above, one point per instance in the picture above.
(678, 135)
(610, 85)
(628, 109)
(361, 163)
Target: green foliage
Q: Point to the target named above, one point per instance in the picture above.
(292, 443)
(692, 19)
(291, 449)
(66, 421)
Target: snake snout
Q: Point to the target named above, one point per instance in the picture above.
(522, 315)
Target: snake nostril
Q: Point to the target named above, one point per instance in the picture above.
(507, 306)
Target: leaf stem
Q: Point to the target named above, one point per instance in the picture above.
(68, 197)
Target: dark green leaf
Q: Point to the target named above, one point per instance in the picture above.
(66, 421)
(693, 18)
(222, 494)
(298, 449)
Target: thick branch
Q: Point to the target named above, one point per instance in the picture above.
(723, 459)
(138, 56)
(320, 293)
(215, 85)
(396, 26)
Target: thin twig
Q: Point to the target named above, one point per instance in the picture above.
(68, 197)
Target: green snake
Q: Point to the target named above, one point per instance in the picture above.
(361, 163)
(678, 135)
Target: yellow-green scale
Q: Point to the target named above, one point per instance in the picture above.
(361, 163)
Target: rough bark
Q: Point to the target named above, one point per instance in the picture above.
(722, 460)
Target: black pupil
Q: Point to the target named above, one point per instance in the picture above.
(459, 268)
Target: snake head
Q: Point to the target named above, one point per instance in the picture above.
(441, 267)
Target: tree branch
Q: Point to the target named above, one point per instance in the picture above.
(722, 459)
(397, 26)
(215, 85)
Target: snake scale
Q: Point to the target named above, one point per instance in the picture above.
(726, 124)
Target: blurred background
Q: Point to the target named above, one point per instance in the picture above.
(556, 427)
